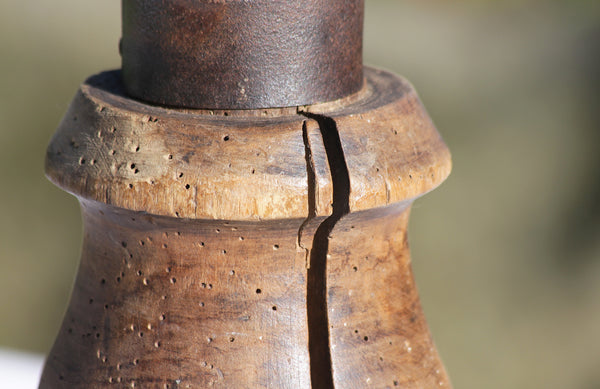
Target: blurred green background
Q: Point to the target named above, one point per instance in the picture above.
(506, 252)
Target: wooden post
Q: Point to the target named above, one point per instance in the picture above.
(232, 243)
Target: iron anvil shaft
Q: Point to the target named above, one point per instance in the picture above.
(233, 54)
(244, 242)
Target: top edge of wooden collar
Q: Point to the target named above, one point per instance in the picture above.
(244, 165)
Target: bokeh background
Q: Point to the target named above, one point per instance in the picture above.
(506, 252)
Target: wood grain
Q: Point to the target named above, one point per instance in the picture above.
(246, 249)
(242, 165)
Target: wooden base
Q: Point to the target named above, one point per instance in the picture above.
(275, 258)
(160, 302)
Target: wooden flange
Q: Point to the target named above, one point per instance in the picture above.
(244, 165)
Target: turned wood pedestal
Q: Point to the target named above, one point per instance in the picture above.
(246, 248)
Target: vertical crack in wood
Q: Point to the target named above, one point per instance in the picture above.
(312, 190)
(319, 349)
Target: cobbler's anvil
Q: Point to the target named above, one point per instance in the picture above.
(245, 185)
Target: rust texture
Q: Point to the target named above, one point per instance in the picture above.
(236, 54)
(245, 248)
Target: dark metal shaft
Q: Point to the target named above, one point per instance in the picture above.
(234, 54)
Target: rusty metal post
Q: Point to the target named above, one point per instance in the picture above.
(245, 185)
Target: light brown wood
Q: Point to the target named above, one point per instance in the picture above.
(242, 165)
(246, 249)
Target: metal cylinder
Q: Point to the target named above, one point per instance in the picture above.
(234, 54)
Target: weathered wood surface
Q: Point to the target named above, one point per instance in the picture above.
(222, 247)
(243, 165)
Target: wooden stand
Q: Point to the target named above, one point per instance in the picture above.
(246, 249)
